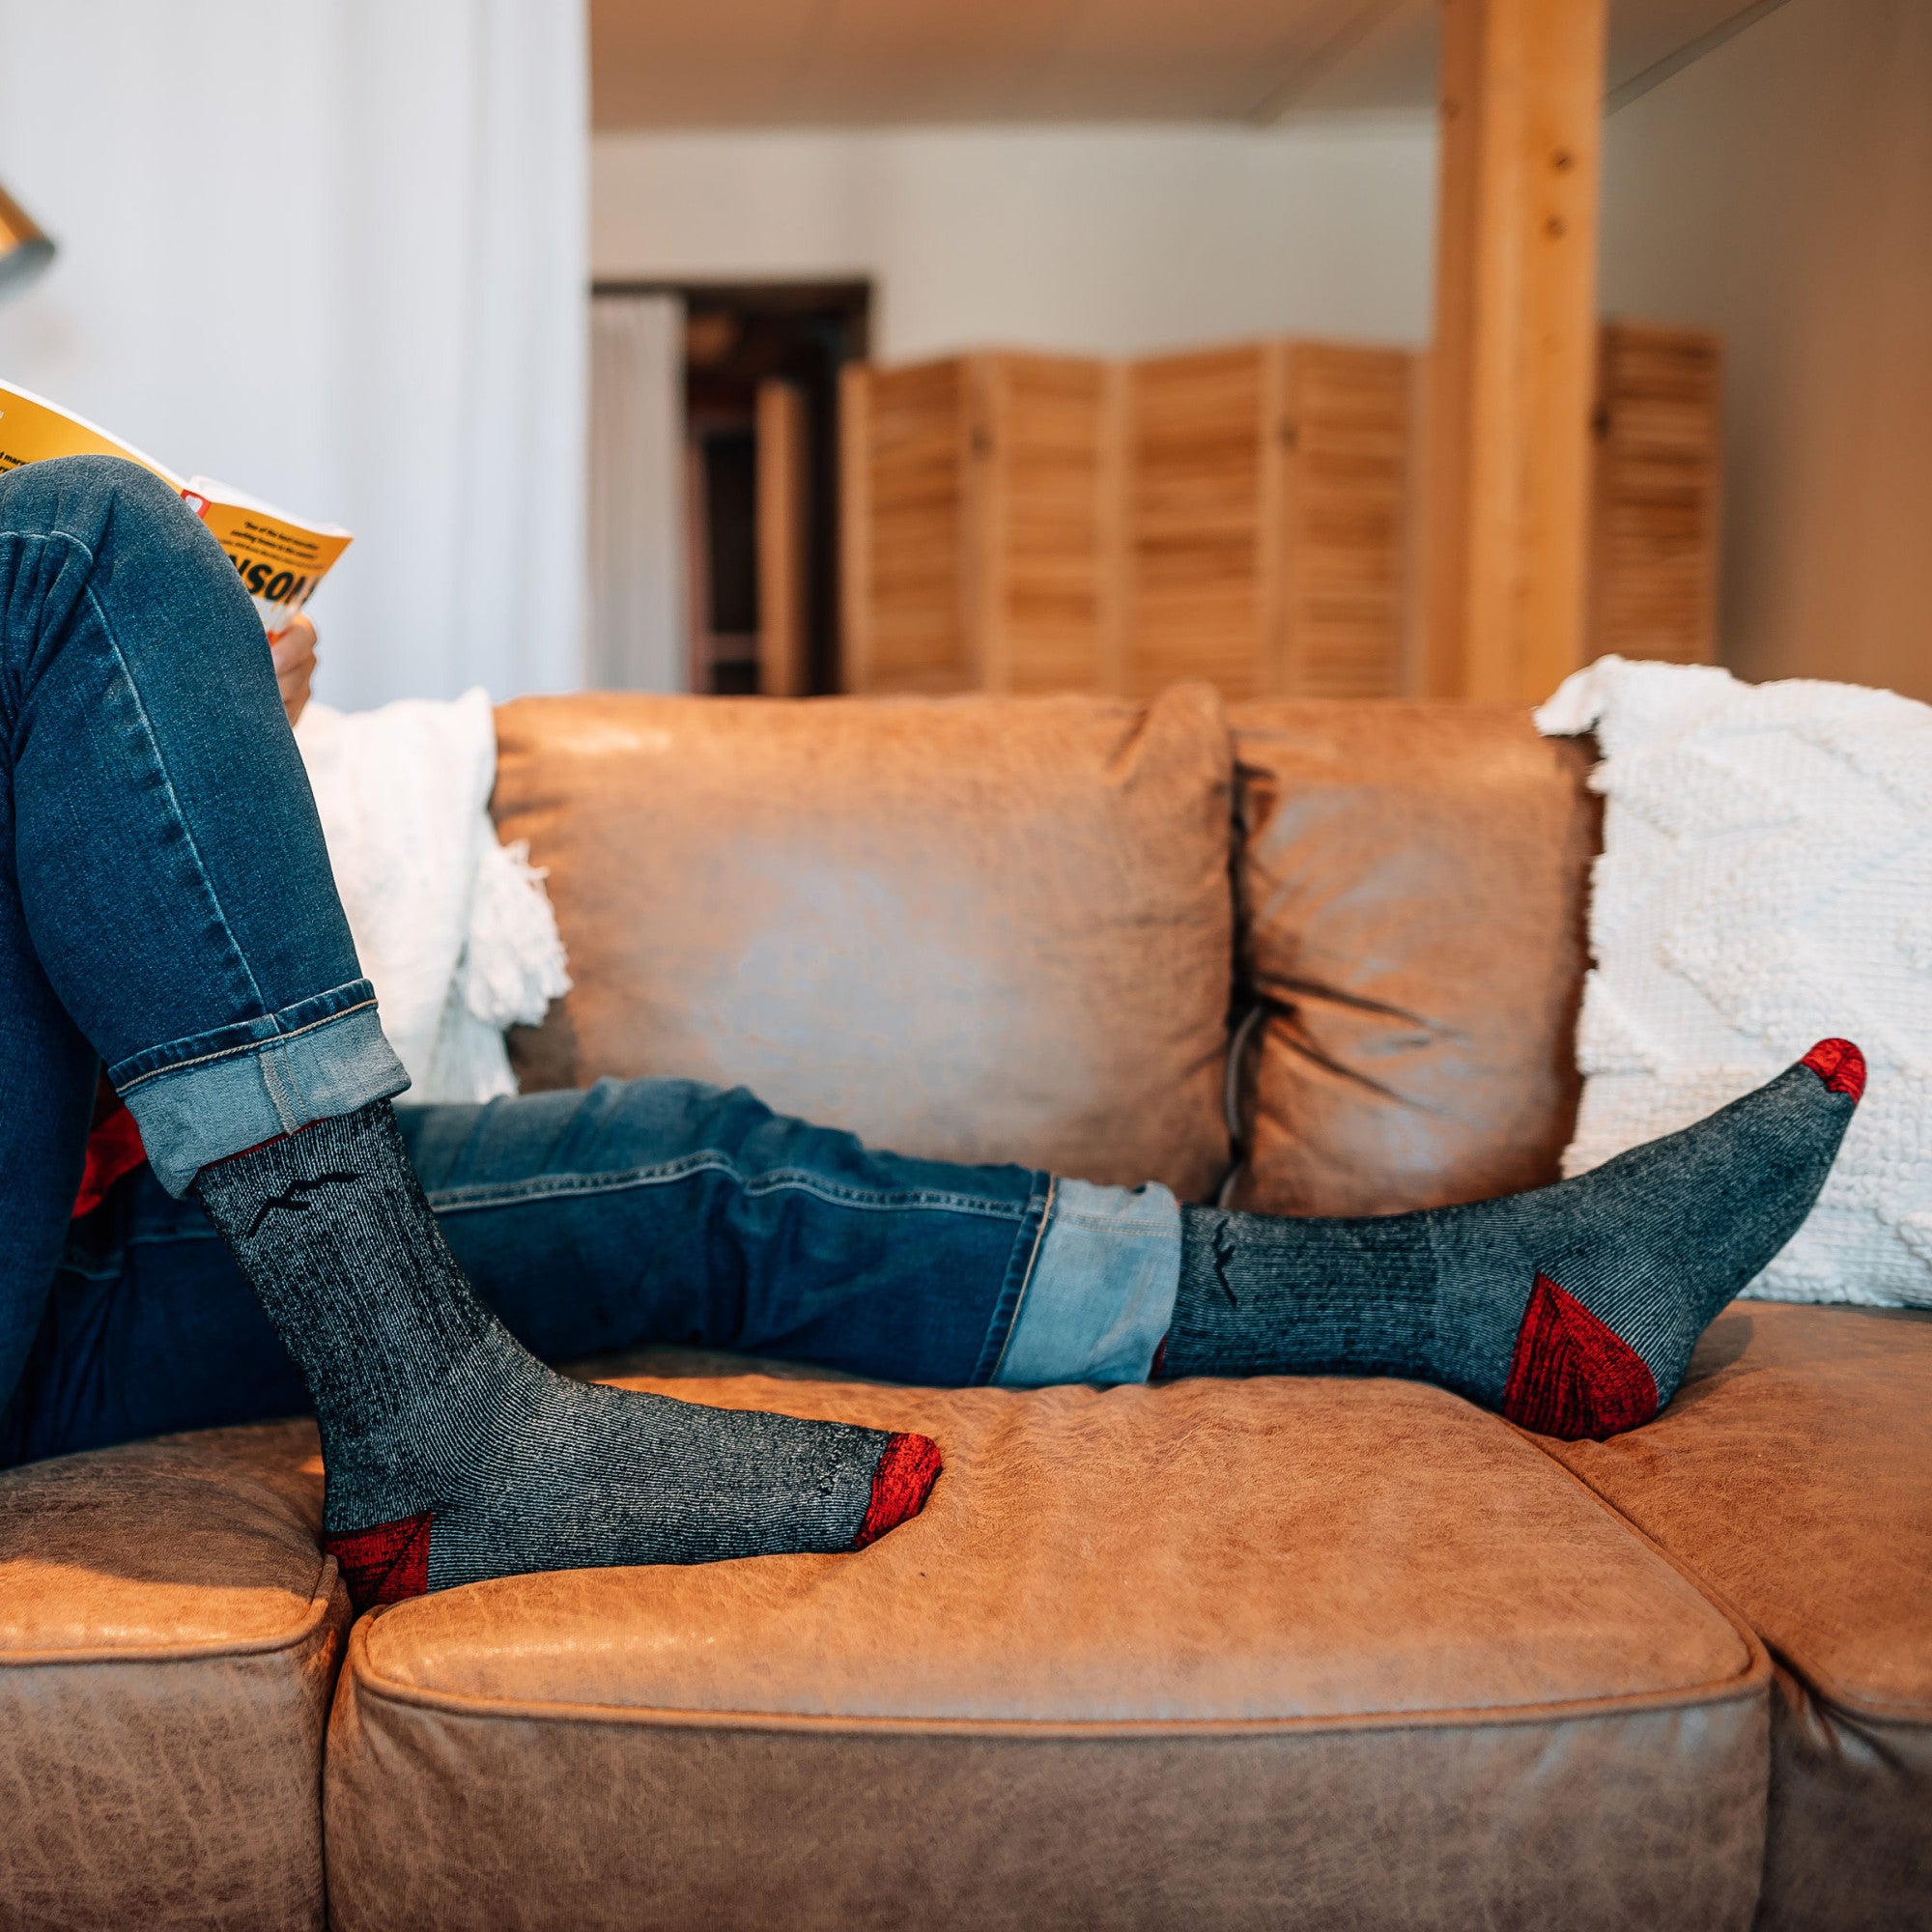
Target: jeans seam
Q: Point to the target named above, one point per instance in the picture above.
(281, 1094)
(1026, 1280)
(483, 1195)
(151, 1238)
(255, 1046)
(174, 798)
(1102, 1224)
(107, 1271)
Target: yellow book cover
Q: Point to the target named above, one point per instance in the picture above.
(280, 558)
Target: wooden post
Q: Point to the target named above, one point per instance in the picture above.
(855, 527)
(1110, 519)
(1509, 450)
(782, 484)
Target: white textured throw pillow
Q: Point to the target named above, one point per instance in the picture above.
(454, 929)
(1766, 882)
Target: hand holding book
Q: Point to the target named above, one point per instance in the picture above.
(294, 653)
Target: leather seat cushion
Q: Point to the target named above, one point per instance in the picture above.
(980, 930)
(1321, 1652)
(1794, 1473)
(169, 1635)
(1411, 889)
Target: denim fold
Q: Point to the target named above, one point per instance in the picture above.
(211, 1101)
(1101, 1295)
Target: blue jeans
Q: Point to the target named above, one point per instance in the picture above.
(166, 907)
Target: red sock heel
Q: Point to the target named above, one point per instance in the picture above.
(1573, 1374)
(384, 1564)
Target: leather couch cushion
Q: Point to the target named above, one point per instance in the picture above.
(1315, 1652)
(1794, 1473)
(1412, 893)
(169, 1633)
(968, 928)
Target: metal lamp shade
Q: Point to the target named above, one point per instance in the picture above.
(24, 251)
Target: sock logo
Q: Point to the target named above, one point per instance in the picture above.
(294, 1197)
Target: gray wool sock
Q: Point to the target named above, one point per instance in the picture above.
(1571, 1310)
(452, 1454)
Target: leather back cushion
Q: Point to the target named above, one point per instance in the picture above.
(1411, 885)
(965, 929)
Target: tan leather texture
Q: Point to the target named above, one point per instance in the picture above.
(1794, 1474)
(1412, 888)
(169, 1636)
(1848, 1845)
(966, 928)
(1205, 1652)
(1646, 1819)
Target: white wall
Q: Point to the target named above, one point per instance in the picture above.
(1781, 190)
(1109, 240)
(333, 253)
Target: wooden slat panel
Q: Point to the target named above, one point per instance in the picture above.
(1195, 454)
(1345, 521)
(1053, 484)
(1654, 552)
(915, 582)
(1240, 515)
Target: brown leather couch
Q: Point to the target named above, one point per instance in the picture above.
(1285, 1653)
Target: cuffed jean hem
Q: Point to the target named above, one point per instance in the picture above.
(1103, 1287)
(210, 1106)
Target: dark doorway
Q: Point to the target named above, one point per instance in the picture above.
(761, 363)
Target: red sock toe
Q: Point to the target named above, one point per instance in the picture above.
(387, 1564)
(1839, 1065)
(900, 1486)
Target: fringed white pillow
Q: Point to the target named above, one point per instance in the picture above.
(1766, 882)
(454, 929)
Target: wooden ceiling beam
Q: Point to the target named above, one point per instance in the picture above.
(1512, 360)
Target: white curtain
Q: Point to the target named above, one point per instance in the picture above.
(333, 252)
(637, 632)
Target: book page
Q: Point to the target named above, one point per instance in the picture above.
(280, 558)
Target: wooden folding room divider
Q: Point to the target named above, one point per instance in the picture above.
(1267, 527)
(1249, 514)
(979, 526)
(1052, 523)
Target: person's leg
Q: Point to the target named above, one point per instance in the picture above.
(1571, 1310)
(174, 892)
(46, 1099)
(143, 757)
(149, 1327)
(655, 1212)
(639, 1213)
(665, 1212)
